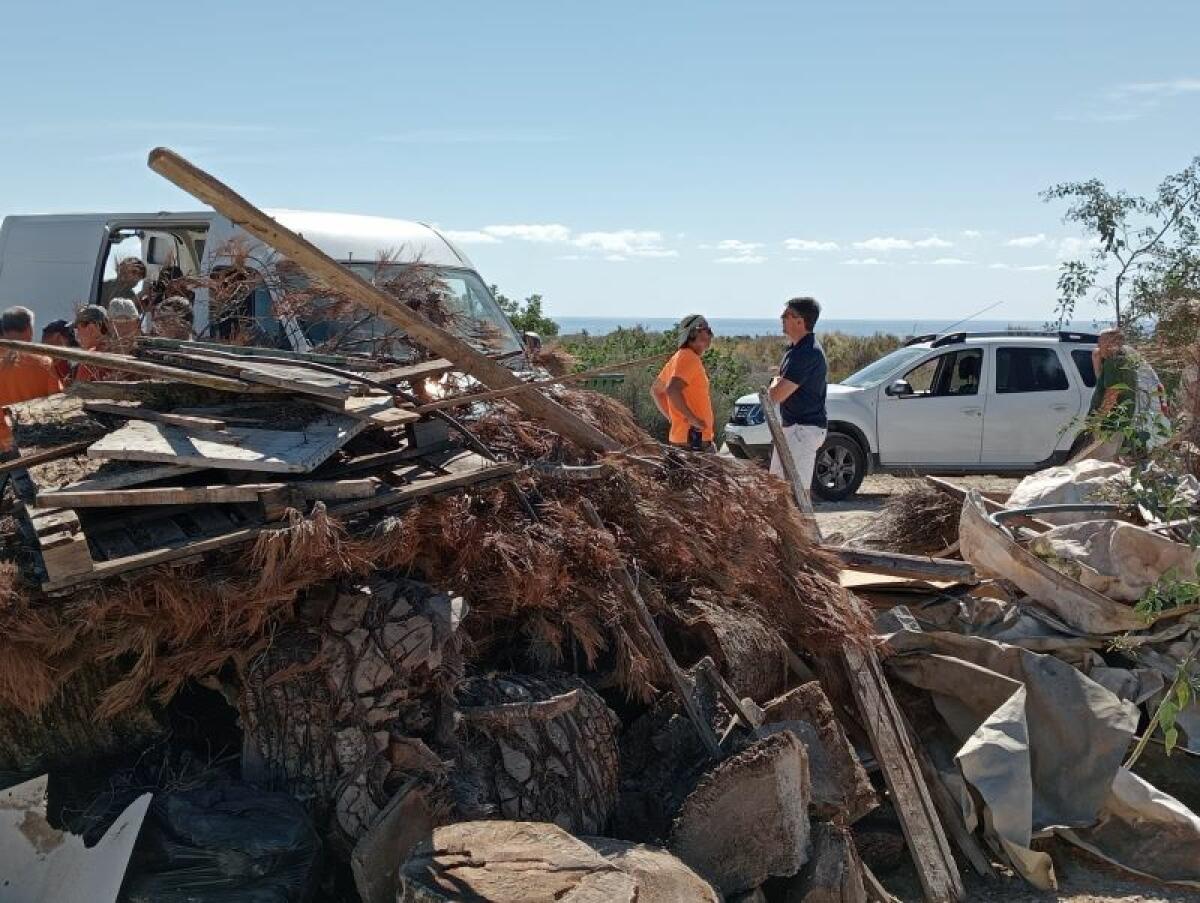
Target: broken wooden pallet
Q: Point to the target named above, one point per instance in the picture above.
(140, 539)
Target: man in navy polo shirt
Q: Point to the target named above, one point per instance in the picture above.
(799, 389)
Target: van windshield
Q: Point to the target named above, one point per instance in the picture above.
(455, 299)
(874, 374)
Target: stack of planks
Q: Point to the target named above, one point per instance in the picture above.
(213, 445)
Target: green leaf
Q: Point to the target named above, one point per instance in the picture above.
(1170, 738)
(1166, 715)
(1182, 693)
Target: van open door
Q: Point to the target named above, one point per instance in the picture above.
(50, 264)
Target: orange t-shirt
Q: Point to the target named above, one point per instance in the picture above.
(22, 377)
(686, 365)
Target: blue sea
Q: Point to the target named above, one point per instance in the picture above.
(757, 327)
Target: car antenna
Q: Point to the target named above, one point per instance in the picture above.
(973, 316)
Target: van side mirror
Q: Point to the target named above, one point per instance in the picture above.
(899, 389)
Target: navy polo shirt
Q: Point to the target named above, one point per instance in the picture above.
(804, 364)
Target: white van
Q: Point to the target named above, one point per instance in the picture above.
(54, 264)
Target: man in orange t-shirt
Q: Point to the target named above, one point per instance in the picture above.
(22, 376)
(681, 389)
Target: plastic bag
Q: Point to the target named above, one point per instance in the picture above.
(228, 842)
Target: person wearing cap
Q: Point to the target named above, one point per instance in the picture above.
(681, 389)
(125, 318)
(799, 389)
(23, 376)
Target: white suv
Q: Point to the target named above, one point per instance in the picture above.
(958, 403)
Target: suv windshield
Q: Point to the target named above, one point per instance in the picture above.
(874, 374)
(457, 300)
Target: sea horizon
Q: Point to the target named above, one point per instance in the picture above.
(766, 326)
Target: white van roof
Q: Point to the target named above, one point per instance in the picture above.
(350, 236)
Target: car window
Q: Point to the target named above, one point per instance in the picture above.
(952, 373)
(1029, 370)
(1083, 362)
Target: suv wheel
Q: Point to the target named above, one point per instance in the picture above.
(840, 468)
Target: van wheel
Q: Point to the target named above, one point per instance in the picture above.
(840, 468)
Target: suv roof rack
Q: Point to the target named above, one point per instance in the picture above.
(918, 339)
(957, 338)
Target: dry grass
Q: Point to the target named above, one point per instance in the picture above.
(918, 521)
(542, 589)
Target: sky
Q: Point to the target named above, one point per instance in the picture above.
(631, 158)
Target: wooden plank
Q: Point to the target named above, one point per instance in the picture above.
(127, 478)
(44, 456)
(104, 569)
(790, 470)
(897, 565)
(413, 373)
(123, 363)
(336, 360)
(244, 493)
(469, 470)
(114, 543)
(320, 265)
(274, 451)
(136, 412)
(936, 869)
(379, 410)
(297, 379)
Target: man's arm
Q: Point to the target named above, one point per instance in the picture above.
(675, 393)
(659, 393)
(781, 389)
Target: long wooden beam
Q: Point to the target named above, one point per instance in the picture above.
(316, 262)
(125, 364)
(894, 564)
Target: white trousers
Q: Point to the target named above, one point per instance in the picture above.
(804, 442)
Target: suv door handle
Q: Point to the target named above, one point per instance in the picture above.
(971, 412)
(1060, 407)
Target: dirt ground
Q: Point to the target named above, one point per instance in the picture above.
(849, 517)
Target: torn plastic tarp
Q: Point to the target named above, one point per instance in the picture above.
(40, 864)
(1145, 831)
(1041, 742)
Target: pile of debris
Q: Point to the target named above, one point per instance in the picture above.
(1029, 684)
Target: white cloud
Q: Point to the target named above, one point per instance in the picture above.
(1073, 247)
(971, 233)
(808, 244)
(933, 242)
(1037, 268)
(543, 232)
(890, 243)
(470, 237)
(950, 262)
(615, 257)
(1170, 88)
(1027, 241)
(1133, 100)
(742, 258)
(863, 262)
(738, 246)
(999, 266)
(625, 243)
(884, 244)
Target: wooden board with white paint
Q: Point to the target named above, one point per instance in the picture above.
(275, 451)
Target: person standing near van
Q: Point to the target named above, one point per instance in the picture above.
(681, 389)
(23, 376)
(92, 331)
(799, 389)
